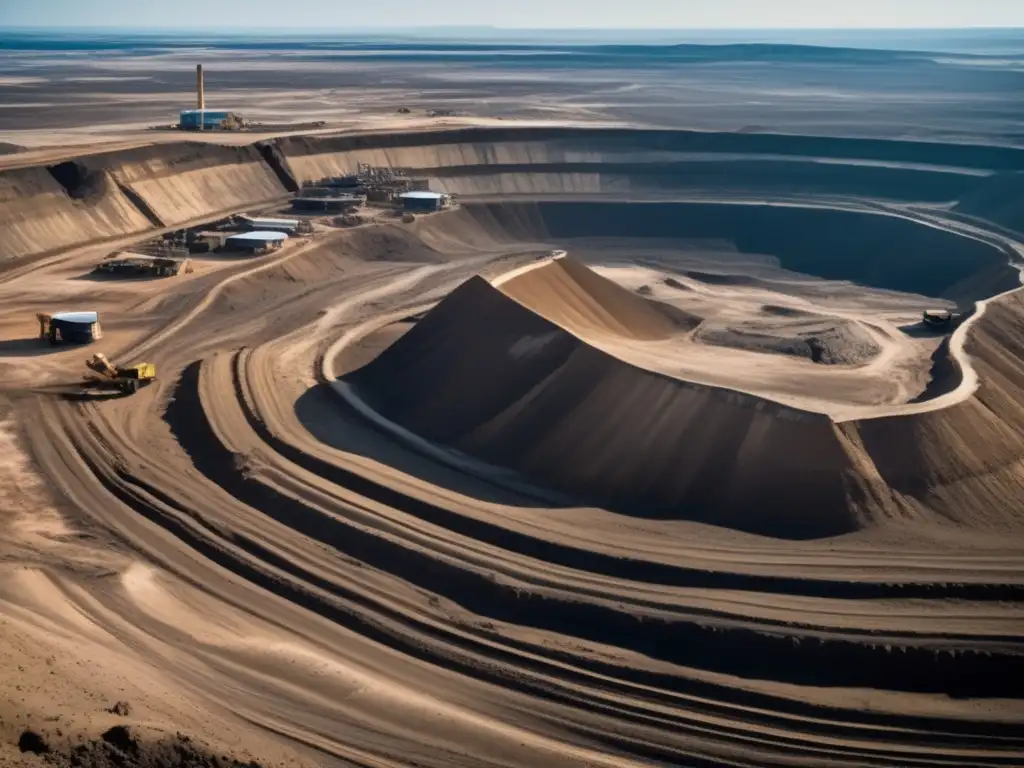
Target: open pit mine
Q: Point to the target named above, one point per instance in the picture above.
(599, 447)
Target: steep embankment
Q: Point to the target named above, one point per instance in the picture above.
(38, 214)
(530, 161)
(116, 194)
(875, 249)
(182, 182)
(487, 375)
(999, 198)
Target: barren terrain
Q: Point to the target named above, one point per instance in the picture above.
(640, 455)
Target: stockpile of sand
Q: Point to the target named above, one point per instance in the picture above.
(513, 375)
(492, 378)
(576, 298)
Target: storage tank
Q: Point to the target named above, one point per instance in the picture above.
(72, 327)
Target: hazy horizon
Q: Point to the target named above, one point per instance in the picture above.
(990, 41)
(523, 15)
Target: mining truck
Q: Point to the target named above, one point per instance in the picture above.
(941, 319)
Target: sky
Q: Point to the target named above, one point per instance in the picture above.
(517, 14)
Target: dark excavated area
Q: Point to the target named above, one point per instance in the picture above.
(874, 249)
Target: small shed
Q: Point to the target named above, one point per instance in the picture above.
(256, 242)
(423, 202)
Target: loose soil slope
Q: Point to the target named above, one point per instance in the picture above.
(104, 196)
(37, 214)
(876, 249)
(965, 462)
(574, 297)
(182, 182)
(518, 385)
(487, 375)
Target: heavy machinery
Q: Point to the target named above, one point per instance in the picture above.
(127, 380)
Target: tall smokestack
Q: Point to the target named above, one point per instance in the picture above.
(200, 96)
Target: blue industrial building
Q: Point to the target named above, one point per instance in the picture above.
(206, 119)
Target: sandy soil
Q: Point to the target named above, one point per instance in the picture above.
(595, 510)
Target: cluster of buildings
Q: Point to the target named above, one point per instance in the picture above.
(370, 184)
(336, 195)
(247, 234)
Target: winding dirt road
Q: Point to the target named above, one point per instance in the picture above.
(256, 554)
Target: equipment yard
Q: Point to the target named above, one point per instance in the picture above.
(513, 445)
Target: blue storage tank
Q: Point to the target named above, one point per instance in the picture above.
(207, 119)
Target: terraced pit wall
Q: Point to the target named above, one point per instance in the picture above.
(169, 185)
(107, 196)
(870, 248)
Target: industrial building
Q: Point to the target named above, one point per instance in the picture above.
(343, 182)
(264, 224)
(206, 242)
(377, 184)
(72, 327)
(256, 242)
(424, 202)
(208, 120)
(327, 203)
(203, 119)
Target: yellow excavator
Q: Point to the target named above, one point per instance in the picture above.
(127, 380)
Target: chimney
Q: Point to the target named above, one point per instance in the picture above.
(200, 96)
